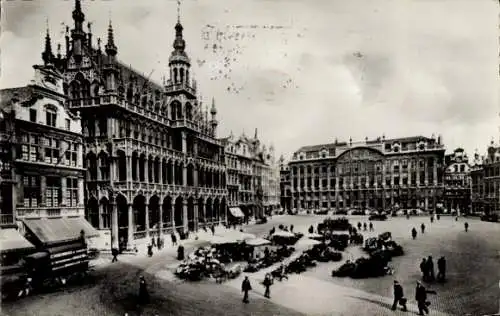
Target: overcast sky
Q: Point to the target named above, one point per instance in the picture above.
(303, 72)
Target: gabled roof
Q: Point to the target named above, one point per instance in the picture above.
(316, 147)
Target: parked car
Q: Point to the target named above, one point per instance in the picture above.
(490, 218)
(378, 217)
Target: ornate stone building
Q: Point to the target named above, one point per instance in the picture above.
(477, 184)
(285, 186)
(154, 164)
(457, 182)
(252, 175)
(491, 180)
(381, 174)
(42, 174)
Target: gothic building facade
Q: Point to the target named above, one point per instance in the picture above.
(285, 185)
(457, 182)
(252, 175)
(382, 174)
(154, 164)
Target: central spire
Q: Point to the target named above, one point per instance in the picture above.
(47, 55)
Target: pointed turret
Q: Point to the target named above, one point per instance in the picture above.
(214, 122)
(111, 49)
(47, 55)
(77, 34)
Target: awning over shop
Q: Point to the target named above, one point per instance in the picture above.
(236, 212)
(52, 230)
(11, 240)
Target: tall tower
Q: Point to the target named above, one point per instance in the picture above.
(179, 61)
(77, 34)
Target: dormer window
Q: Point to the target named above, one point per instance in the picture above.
(395, 147)
(51, 117)
(421, 146)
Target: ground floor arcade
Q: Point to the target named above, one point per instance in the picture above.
(144, 217)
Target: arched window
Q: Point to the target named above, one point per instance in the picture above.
(182, 75)
(74, 90)
(175, 75)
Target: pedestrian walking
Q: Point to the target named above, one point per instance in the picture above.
(245, 288)
(364, 226)
(421, 298)
(371, 226)
(430, 268)
(432, 219)
(359, 225)
(423, 269)
(422, 227)
(291, 228)
(414, 233)
(466, 225)
(311, 229)
(399, 297)
(143, 291)
(180, 253)
(114, 253)
(174, 239)
(150, 250)
(441, 263)
(268, 281)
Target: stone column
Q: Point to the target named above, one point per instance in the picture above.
(173, 173)
(195, 177)
(160, 171)
(195, 216)
(160, 221)
(146, 169)
(426, 169)
(185, 215)
(114, 225)
(130, 228)
(64, 185)
(129, 168)
(146, 206)
(434, 173)
(184, 175)
(137, 170)
(43, 188)
(184, 142)
(80, 192)
(172, 213)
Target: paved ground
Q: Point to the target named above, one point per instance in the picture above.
(473, 261)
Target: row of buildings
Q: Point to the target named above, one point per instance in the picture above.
(91, 137)
(390, 174)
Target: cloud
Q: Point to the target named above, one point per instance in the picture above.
(303, 74)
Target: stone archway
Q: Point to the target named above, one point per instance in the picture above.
(209, 210)
(216, 210)
(122, 209)
(93, 212)
(139, 207)
(201, 212)
(223, 209)
(167, 211)
(178, 213)
(190, 214)
(154, 212)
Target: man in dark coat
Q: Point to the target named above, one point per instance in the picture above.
(414, 233)
(423, 269)
(398, 297)
(311, 229)
(245, 287)
(430, 268)
(466, 225)
(421, 298)
(143, 291)
(422, 227)
(174, 239)
(114, 252)
(441, 263)
(267, 284)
